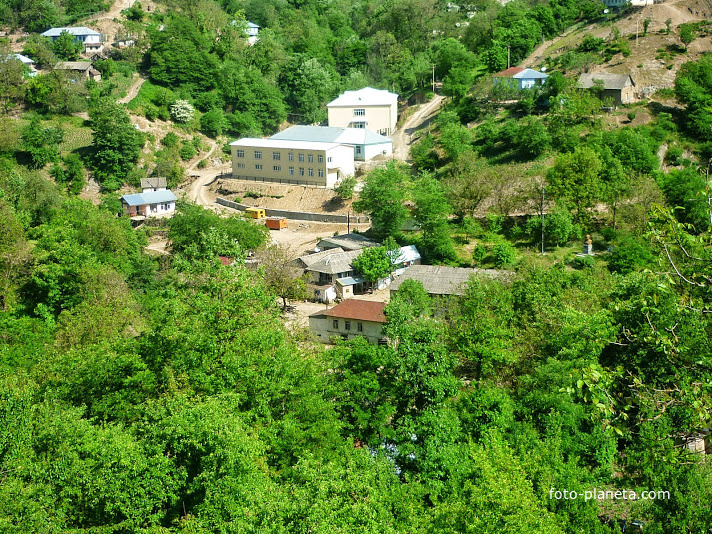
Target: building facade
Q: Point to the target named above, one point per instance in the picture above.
(367, 108)
(520, 78)
(618, 87)
(291, 162)
(351, 319)
(366, 144)
(91, 39)
(149, 204)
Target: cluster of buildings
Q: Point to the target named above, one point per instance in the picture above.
(359, 125)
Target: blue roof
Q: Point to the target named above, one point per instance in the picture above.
(75, 30)
(350, 280)
(151, 197)
(530, 74)
(330, 134)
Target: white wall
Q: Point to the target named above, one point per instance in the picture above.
(323, 328)
(377, 150)
(379, 119)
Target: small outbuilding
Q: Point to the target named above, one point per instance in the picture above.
(520, 78)
(620, 87)
(83, 69)
(149, 204)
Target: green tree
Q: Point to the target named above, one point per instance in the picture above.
(574, 178)
(42, 144)
(382, 198)
(116, 144)
(687, 34)
(374, 263)
(345, 188)
(66, 48)
(281, 274)
(431, 213)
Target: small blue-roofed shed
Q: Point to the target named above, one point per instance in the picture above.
(149, 204)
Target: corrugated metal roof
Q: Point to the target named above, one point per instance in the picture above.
(350, 241)
(151, 197)
(350, 280)
(406, 254)
(311, 259)
(368, 96)
(330, 134)
(155, 182)
(74, 65)
(253, 142)
(440, 280)
(610, 81)
(358, 310)
(332, 261)
(74, 30)
(24, 59)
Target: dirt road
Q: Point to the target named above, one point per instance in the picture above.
(403, 136)
(136, 84)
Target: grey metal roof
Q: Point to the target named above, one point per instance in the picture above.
(330, 134)
(530, 74)
(350, 280)
(332, 261)
(406, 254)
(155, 182)
(440, 280)
(74, 30)
(368, 96)
(74, 65)
(151, 197)
(24, 59)
(350, 241)
(610, 81)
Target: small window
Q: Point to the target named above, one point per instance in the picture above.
(291, 171)
(311, 172)
(335, 323)
(361, 125)
(275, 156)
(301, 171)
(240, 165)
(359, 327)
(328, 160)
(258, 166)
(347, 325)
(277, 168)
(360, 112)
(301, 157)
(240, 153)
(321, 173)
(291, 157)
(358, 149)
(258, 154)
(320, 158)
(310, 158)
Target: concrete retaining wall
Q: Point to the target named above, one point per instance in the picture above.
(297, 215)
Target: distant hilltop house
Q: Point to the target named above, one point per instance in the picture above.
(291, 162)
(350, 319)
(520, 78)
(367, 108)
(252, 31)
(366, 144)
(83, 69)
(91, 39)
(149, 204)
(619, 87)
(622, 3)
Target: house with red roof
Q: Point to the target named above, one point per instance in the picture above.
(350, 319)
(520, 78)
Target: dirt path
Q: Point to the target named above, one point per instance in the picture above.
(204, 177)
(403, 136)
(133, 90)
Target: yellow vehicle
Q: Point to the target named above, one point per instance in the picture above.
(255, 213)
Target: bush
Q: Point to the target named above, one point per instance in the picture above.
(583, 262)
(479, 254)
(187, 151)
(213, 123)
(182, 111)
(628, 255)
(505, 255)
(202, 163)
(170, 140)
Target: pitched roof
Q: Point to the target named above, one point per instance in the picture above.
(330, 134)
(368, 96)
(350, 280)
(333, 261)
(406, 254)
(440, 280)
(350, 241)
(610, 81)
(74, 65)
(358, 310)
(151, 197)
(24, 59)
(508, 73)
(155, 182)
(252, 25)
(519, 73)
(253, 142)
(74, 30)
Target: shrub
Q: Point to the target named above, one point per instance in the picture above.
(170, 140)
(182, 111)
(628, 255)
(187, 151)
(213, 123)
(583, 262)
(505, 255)
(202, 163)
(479, 254)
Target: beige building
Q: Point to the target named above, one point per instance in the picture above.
(372, 109)
(618, 87)
(291, 162)
(348, 320)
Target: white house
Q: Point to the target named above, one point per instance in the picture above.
(91, 39)
(368, 108)
(366, 144)
(291, 162)
(28, 62)
(348, 320)
(520, 78)
(149, 204)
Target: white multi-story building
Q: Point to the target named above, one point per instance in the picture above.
(373, 109)
(291, 162)
(91, 39)
(366, 144)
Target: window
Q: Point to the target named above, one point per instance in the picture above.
(359, 125)
(321, 173)
(275, 156)
(359, 327)
(310, 158)
(240, 165)
(258, 166)
(336, 323)
(291, 157)
(347, 325)
(301, 171)
(301, 157)
(291, 171)
(328, 160)
(240, 153)
(258, 154)
(311, 172)
(360, 112)
(358, 149)
(277, 168)
(320, 158)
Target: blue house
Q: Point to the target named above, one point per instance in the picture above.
(520, 78)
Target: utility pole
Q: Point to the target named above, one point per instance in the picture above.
(508, 48)
(433, 78)
(543, 194)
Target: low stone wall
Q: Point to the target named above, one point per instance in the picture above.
(298, 215)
